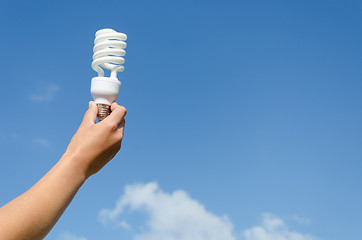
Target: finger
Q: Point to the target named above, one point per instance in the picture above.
(114, 105)
(91, 115)
(122, 125)
(120, 129)
(117, 114)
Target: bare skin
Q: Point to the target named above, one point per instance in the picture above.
(33, 214)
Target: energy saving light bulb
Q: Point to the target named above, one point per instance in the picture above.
(108, 52)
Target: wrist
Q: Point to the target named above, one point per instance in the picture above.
(74, 166)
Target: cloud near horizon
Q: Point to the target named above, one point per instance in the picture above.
(69, 236)
(171, 216)
(273, 228)
(176, 216)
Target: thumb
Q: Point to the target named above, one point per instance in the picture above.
(91, 115)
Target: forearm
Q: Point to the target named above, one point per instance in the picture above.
(34, 213)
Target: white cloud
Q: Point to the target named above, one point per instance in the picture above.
(42, 142)
(21, 139)
(273, 228)
(173, 216)
(176, 216)
(15, 137)
(124, 225)
(69, 236)
(301, 220)
(45, 93)
(12, 138)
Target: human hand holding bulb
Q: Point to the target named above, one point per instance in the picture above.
(108, 54)
(94, 145)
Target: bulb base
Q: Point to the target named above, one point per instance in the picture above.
(103, 111)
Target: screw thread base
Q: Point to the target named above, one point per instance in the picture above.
(103, 111)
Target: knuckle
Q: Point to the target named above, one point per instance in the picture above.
(119, 138)
(111, 126)
(123, 109)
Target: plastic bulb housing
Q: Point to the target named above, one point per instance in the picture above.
(105, 90)
(108, 51)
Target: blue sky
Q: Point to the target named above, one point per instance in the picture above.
(244, 117)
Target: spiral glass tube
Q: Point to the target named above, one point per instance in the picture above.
(108, 54)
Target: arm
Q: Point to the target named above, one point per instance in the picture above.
(33, 214)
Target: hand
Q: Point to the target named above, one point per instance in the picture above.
(95, 144)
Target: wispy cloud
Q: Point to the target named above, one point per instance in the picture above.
(69, 236)
(177, 216)
(22, 139)
(301, 220)
(273, 228)
(124, 225)
(42, 142)
(45, 93)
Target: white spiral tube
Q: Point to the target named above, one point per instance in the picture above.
(108, 52)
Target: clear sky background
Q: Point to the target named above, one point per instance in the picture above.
(244, 117)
